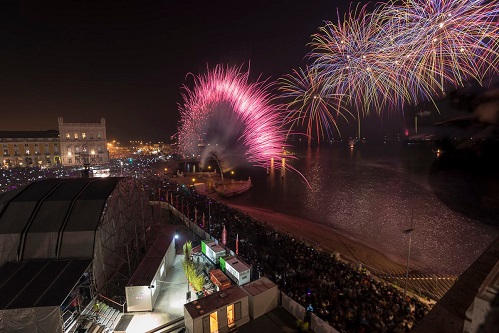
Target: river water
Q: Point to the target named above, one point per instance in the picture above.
(374, 192)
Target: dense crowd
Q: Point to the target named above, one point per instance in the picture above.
(140, 167)
(346, 296)
(14, 178)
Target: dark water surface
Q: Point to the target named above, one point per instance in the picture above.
(372, 193)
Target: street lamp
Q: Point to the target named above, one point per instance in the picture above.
(407, 231)
(209, 214)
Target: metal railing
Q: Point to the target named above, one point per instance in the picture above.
(122, 306)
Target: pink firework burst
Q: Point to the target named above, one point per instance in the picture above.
(236, 120)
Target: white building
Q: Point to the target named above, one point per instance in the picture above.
(83, 143)
(235, 269)
(217, 313)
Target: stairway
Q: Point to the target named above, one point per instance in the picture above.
(103, 322)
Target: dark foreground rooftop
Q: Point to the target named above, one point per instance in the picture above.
(39, 283)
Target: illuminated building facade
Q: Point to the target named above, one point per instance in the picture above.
(83, 143)
(30, 148)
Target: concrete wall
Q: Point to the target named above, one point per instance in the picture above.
(188, 322)
(293, 307)
(263, 302)
(320, 326)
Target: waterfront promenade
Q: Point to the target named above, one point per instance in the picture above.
(391, 267)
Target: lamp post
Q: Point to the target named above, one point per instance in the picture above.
(188, 294)
(121, 169)
(209, 215)
(407, 231)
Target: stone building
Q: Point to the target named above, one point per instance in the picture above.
(83, 143)
(30, 148)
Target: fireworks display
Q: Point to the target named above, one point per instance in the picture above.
(401, 52)
(311, 106)
(235, 120)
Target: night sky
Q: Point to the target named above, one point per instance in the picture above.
(126, 60)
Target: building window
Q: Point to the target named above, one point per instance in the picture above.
(214, 322)
(68, 136)
(36, 144)
(55, 144)
(26, 152)
(70, 160)
(230, 316)
(46, 145)
(69, 150)
(47, 151)
(99, 135)
(83, 135)
(5, 152)
(76, 136)
(26, 145)
(91, 136)
(4, 145)
(77, 149)
(99, 149)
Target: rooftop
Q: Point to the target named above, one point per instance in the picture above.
(210, 303)
(237, 264)
(39, 283)
(259, 286)
(214, 246)
(29, 134)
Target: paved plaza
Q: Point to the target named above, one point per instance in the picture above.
(169, 305)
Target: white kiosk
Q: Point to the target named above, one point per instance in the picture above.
(142, 289)
(212, 251)
(236, 270)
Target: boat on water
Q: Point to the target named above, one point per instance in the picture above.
(234, 188)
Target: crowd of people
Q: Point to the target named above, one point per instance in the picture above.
(343, 294)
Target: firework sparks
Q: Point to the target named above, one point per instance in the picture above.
(235, 119)
(311, 106)
(444, 43)
(401, 52)
(351, 59)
